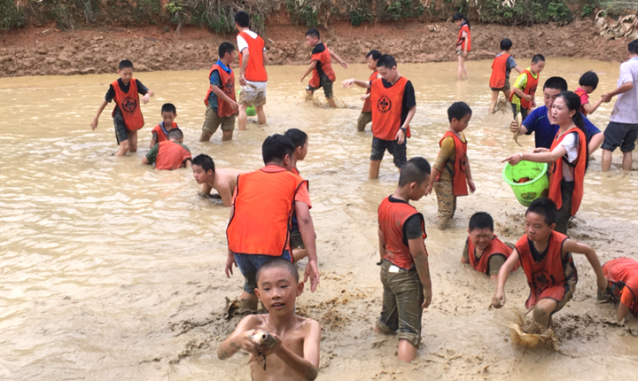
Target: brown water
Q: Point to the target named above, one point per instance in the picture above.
(112, 270)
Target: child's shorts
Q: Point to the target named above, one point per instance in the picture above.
(121, 133)
(254, 94)
(505, 87)
(364, 119)
(620, 135)
(324, 82)
(517, 108)
(213, 121)
(249, 264)
(398, 151)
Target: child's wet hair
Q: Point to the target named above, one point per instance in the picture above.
(556, 83)
(175, 133)
(375, 54)
(298, 137)
(225, 47)
(242, 18)
(278, 263)
(458, 16)
(458, 110)
(204, 161)
(632, 47)
(169, 107)
(506, 44)
(544, 207)
(125, 64)
(538, 58)
(313, 33)
(415, 170)
(589, 79)
(387, 61)
(481, 220)
(276, 147)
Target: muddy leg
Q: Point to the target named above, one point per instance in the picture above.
(543, 312)
(493, 102)
(331, 102)
(242, 118)
(627, 160)
(261, 115)
(374, 169)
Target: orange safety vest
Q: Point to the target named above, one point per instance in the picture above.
(459, 183)
(228, 87)
(530, 89)
(580, 92)
(461, 41)
(499, 71)
(325, 62)
(622, 274)
(556, 171)
(264, 206)
(129, 104)
(255, 70)
(171, 155)
(495, 247)
(162, 132)
(367, 104)
(392, 217)
(386, 108)
(546, 278)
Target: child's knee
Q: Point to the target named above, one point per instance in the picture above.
(543, 312)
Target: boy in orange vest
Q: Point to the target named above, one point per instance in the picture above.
(260, 218)
(501, 68)
(160, 132)
(223, 180)
(221, 106)
(321, 67)
(127, 114)
(588, 83)
(170, 154)
(405, 271)
(483, 250)
(522, 97)
(366, 113)
(282, 344)
(546, 258)
(452, 167)
(252, 72)
(393, 107)
(622, 274)
(300, 140)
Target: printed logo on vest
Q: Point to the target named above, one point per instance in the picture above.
(129, 104)
(229, 87)
(384, 104)
(541, 280)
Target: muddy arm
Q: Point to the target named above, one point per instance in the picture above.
(578, 248)
(595, 142)
(310, 68)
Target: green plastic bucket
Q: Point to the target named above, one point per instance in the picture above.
(250, 111)
(531, 190)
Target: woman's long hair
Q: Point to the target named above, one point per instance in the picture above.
(460, 16)
(572, 101)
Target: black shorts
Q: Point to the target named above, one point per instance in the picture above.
(620, 135)
(326, 83)
(121, 133)
(398, 151)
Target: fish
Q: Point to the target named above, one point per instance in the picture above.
(519, 122)
(263, 340)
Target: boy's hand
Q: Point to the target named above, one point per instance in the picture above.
(514, 159)
(364, 97)
(533, 103)
(94, 124)
(606, 97)
(428, 189)
(313, 273)
(400, 136)
(348, 82)
(528, 97)
(514, 126)
(146, 98)
(344, 64)
(302, 78)
(470, 183)
(498, 300)
(602, 285)
(234, 105)
(427, 298)
(230, 261)
(465, 54)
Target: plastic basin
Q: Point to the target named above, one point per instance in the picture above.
(250, 111)
(527, 191)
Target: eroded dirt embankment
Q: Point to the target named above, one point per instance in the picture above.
(47, 51)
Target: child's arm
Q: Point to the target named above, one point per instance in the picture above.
(187, 164)
(335, 56)
(521, 94)
(420, 256)
(226, 196)
(468, 176)
(623, 311)
(242, 68)
(147, 96)
(308, 365)
(433, 176)
(466, 44)
(365, 96)
(401, 134)
(265, 58)
(465, 254)
(307, 230)
(498, 300)
(310, 68)
(230, 258)
(537, 157)
(352, 81)
(591, 108)
(518, 69)
(220, 94)
(151, 156)
(621, 89)
(238, 339)
(596, 142)
(153, 142)
(381, 244)
(99, 111)
(574, 247)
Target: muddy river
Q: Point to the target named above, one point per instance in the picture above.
(114, 271)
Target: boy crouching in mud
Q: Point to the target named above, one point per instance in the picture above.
(283, 345)
(546, 258)
(405, 272)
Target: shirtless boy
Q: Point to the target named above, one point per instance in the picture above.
(294, 353)
(223, 180)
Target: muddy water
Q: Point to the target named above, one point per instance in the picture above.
(112, 270)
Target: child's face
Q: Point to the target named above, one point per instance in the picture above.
(312, 41)
(168, 118)
(549, 96)
(460, 125)
(417, 191)
(126, 74)
(536, 228)
(200, 175)
(481, 237)
(302, 151)
(278, 290)
(588, 89)
(538, 67)
(458, 22)
(371, 62)
(229, 57)
(389, 75)
(560, 113)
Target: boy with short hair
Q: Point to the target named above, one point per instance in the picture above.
(259, 227)
(483, 250)
(451, 173)
(501, 68)
(321, 67)
(546, 257)
(127, 114)
(393, 104)
(252, 70)
(223, 180)
(366, 113)
(588, 83)
(622, 274)
(169, 154)
(221, 106)
(300, 140)
(405, 272)
(292, 349)
(522, 97)
(160, 132)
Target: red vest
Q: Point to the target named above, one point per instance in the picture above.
(171, 155)
(622, 274)
(460, 160)
(392, 217)
(228, 87)
(556, 171)
(461, 41)
(386, 108)
(580, 92)
(495, 247)
(263, 211)
(546, 278)
(367, 104)
(530, 89)
(325, 61)
(499, 71)
(162, 132)
(255, 70)
(129, 104)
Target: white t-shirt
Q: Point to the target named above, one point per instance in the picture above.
(242, 44)
(569, 142)
(626, 106)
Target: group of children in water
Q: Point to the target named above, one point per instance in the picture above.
(271, 228)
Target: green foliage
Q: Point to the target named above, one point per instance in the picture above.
(551, 10)
(147, 10)
(526, 12)
(359, 15)
(62, 17)
(400, 9)
(10, 15)
(304, 12)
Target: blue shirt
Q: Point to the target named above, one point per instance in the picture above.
(538, 122)
(216, 81)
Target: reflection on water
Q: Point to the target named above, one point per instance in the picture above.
(101, 254)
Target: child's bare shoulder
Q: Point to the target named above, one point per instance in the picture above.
(307, 325)
(252, 322)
